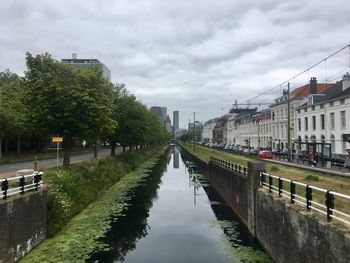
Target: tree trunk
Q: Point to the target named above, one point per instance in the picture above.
(66, 157)
(18, 146)
(67, 148)
(113, 145)
(6, 144)
(95, 151)
(0, 147)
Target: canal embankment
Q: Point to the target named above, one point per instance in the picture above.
(80, 236)
(288, 232)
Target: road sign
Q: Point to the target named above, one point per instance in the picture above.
(57, 139)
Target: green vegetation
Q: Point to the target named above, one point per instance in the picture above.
(73, 188)
(80, 237)
(311, 177)
(274, 168)
(54, 99)
(233, 248)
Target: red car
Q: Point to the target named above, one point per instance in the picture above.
(265, 155)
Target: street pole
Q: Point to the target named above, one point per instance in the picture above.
(289, 127)
(58, 146)
(194, 130)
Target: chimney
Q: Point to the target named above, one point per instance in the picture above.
(74, 55)
(313, 85)
(346, 81)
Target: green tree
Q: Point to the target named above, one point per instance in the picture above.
(13, 111)
(65, 102)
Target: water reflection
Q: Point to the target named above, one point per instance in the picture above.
(175, 216)
(127, 230)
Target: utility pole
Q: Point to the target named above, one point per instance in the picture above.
(194, 130)
(189, 132)
(289, 127)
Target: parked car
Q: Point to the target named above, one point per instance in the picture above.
(265, 155)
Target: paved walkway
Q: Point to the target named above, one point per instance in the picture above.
(307, 167)
(8, 170)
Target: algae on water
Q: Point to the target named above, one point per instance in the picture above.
(80, 236)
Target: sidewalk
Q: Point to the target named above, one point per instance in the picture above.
(308, 167)
(9, 170)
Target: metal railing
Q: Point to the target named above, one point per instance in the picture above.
(21, 184)
(294, 190)
(229, 165)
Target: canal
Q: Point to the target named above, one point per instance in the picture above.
(176, 216)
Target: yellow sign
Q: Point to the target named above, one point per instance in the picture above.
(57, 139)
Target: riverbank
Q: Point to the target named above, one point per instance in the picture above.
(322, 180)
(72, 189)
(79, 238)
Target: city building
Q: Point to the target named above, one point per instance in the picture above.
(279, 111)
(161, 112)
(87, 62)
(220, 130)
(167, 124)
(207, 132)
(325, 118)
(175, 123)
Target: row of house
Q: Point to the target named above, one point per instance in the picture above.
(319, 113)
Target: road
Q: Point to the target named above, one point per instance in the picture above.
(7, 170)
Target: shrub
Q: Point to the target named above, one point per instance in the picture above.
(310, 177)
(274, 168)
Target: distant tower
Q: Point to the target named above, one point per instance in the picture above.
(176, 119)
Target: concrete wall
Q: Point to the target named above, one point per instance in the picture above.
(291, 234)
(22, 224)
(288, 232)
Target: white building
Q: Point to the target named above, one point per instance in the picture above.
(326, 118)
(279, 112)
(207, 132)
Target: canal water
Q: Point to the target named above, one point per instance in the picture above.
(176, 216)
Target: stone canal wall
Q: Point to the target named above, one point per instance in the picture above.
(290, 234)
(287, 232)
(22, 224)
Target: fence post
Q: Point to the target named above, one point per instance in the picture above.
(255, 168)
(4, 188)
(270, 183)
(280, 186)
(330, 204)
(308, 196)
(22, 183)
(292, 191)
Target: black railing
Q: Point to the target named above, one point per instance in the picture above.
(294, 190)
(229, 165)
(21, 184)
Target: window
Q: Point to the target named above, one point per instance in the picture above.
(314, 122)
(343, 119)
(333, 143)
(299, 124)
(331, 104)
(306, 124)
(321, 106)
(313, 108)
(331, 120)
(322, 121)
(305, 110)
(298, 110)
(342, 101)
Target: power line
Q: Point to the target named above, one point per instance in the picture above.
(302, 72)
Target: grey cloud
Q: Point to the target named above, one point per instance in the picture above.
(196, 55)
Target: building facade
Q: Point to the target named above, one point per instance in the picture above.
(207, 132)
(87, 62)
(326, 118)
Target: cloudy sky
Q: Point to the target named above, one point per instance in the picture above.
(198, 55)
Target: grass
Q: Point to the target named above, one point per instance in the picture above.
(318, 179)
